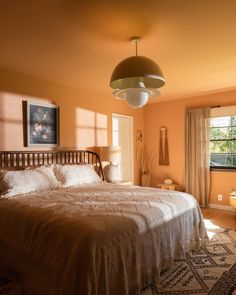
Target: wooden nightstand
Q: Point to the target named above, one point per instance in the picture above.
(171, 187)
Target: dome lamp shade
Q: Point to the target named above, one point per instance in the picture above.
(135, 79)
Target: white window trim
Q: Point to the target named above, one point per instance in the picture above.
(221, 112)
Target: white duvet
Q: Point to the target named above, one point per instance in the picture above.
(101, 239)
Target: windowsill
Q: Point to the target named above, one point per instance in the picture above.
(223, 169)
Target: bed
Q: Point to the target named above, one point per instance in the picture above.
(95, 238)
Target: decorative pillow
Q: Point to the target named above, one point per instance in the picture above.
(13, 183)
(70, 175)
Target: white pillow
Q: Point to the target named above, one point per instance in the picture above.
(70, 175)
(29, 180)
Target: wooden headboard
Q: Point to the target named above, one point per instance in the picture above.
(22, 159)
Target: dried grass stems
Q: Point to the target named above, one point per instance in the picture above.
(146, 157)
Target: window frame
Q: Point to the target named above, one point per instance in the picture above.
(228, 111)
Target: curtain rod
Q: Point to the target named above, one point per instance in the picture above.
(213, 107)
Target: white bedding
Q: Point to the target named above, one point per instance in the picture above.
(100, 239)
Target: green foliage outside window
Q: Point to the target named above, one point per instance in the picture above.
(223, 142)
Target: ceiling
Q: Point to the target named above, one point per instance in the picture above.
(78, 43)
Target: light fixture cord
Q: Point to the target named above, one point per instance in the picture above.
(136, 47)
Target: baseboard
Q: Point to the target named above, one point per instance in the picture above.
(221, 207)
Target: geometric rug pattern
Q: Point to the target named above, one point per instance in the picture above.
(210, 270)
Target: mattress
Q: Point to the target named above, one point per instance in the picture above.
(97, 239)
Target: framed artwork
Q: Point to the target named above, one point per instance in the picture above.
(41, 124)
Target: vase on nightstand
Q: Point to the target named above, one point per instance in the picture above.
(111, 173)
(146, 180)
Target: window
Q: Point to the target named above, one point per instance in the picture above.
(223, 142)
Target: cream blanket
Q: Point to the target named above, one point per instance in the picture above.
(100, 239)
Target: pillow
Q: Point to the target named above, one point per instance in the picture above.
(13, 183)
(70, 175)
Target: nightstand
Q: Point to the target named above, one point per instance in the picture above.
(171, 187)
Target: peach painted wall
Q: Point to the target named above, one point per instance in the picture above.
(85, 117)
(172, 115)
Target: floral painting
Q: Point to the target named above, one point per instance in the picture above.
(42, 124)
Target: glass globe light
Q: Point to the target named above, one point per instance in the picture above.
(136, 97)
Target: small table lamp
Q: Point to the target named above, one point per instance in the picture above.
(111, 154)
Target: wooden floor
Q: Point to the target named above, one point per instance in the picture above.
(219, 217)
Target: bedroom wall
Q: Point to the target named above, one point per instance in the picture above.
(85, 117)
(172, 115)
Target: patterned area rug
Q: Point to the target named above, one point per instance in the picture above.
(211, 270)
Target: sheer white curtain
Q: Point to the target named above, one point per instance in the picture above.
(197, 158)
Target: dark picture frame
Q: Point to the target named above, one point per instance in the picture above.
(41, 124)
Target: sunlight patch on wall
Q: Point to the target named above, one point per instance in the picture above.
(11, 131)
(11, 125)
(101, 129)
(91, 128)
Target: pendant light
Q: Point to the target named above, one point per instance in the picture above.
(136, 78)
